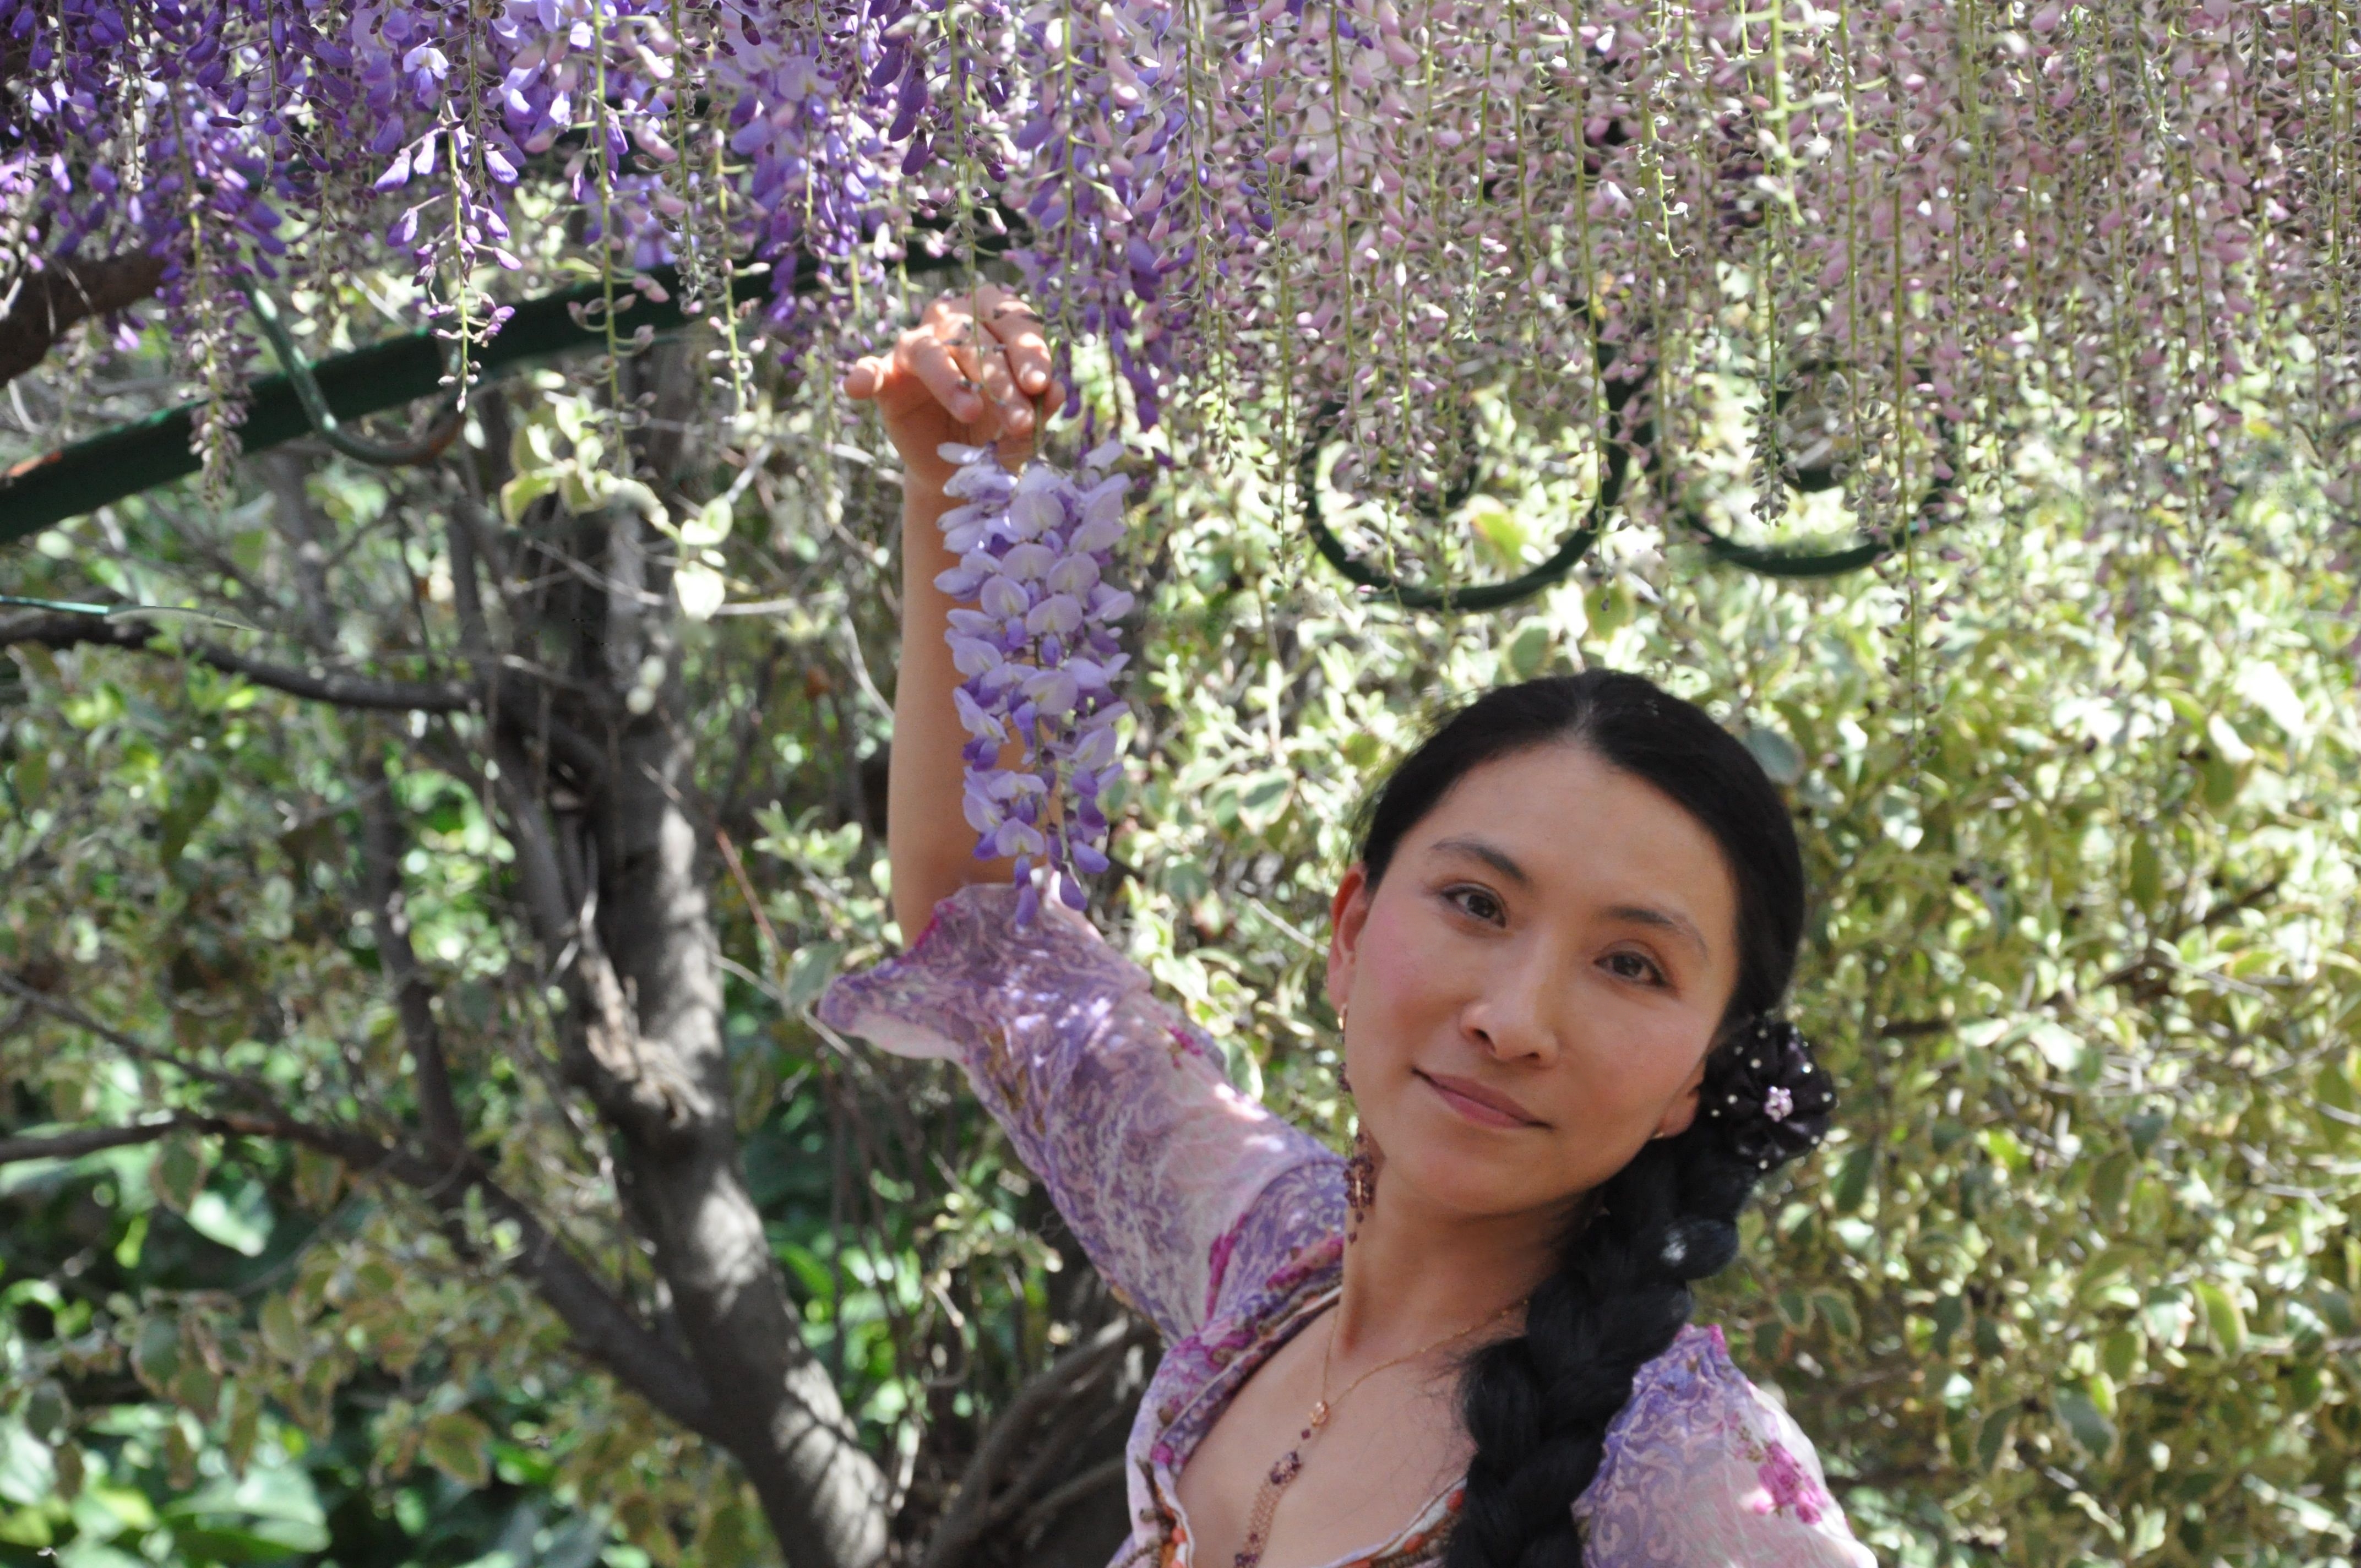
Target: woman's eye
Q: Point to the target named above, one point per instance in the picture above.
(1476, 901)
(1632, 966)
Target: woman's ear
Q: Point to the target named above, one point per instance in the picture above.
(1348, 911)
(1683, 1110)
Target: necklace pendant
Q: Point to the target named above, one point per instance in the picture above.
(1319, 1415)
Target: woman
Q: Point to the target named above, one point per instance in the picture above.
(1574, 907)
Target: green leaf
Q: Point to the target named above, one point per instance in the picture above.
(2264, 686)
(1262, 797)
(191, 804)
(1950, 1312)
(2222, 779)
(156, 1350)
(2110, 1265)
(2059, 1046)
(177, 1171)
(2091, 1430)
(1528, 649)
(28, 1473)
(1777, 753)
(31, 775)
(2331, 1088)
(1993, 1437)
(2228, 744)
(2148, 873)
(459, 1446)
(272, 1512)
(2223, 1316)
(2110, 1183)
(1850, 1189)
(243, 1225)
(1501, 530)
(809, 971)
(318, 1178)
(1835, 1310)
(282, 1334)
(523, 491)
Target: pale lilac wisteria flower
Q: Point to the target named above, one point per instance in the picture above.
(1945, 225)
(1039, 655)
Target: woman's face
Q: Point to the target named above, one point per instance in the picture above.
(1534, 987)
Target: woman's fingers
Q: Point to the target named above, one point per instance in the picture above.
(925, 356)
(865, 379)
(987, 366)
(1018, 327)
(980, 354)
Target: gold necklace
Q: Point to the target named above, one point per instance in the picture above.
(1290, 1463)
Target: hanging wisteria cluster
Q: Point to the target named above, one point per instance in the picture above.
(1038, 655)
(1913, 229)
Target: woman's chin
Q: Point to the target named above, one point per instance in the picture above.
(1464, 1184)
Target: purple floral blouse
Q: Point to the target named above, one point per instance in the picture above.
(1223, 1225)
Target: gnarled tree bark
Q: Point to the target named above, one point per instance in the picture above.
(49, 303)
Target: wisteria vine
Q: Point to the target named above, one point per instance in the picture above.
(1038, 655)
(2116, 228)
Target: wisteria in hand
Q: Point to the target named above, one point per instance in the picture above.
(1038, 655)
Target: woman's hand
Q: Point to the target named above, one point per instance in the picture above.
(974, 370)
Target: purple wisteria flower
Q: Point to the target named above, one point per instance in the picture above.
(1350, 205)
(1040, 657)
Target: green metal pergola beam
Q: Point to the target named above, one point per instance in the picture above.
(46, 490)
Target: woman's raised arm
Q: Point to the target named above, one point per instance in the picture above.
(976, 369)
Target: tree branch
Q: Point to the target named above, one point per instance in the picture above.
(972, 1510)
(250, 1089)
(381, 847)
(51, 302)
(1106, 1472)
(89, 1140)
(602, 1328)
(317, 684)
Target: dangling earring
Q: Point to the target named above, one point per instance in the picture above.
(1361, 1171)
(1360, 1184)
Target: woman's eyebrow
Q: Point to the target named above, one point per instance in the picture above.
(1642, 915)
(1496, 859)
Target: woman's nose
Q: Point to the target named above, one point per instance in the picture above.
(1510, 1018)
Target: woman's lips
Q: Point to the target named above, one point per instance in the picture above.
(1484, 1107)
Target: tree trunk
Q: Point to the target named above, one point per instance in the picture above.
(823, 1495)
(826, 1498)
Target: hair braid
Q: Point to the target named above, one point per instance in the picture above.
(1539, 1405)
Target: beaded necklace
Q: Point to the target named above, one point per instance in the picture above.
(1289, 1465)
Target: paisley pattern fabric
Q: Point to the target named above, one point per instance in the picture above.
(1224, 1226)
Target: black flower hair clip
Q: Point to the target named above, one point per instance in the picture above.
(1766, 1096)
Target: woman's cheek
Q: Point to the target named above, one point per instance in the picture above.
(1395, 981)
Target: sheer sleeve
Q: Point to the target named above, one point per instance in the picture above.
(1703, 1471)
(1116, 1102)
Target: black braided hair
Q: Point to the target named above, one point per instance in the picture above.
(1538, 1406)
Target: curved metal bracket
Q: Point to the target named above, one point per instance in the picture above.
(1763, 560)
(1770, 562)
(425, 449)
(1615, 458)
(116, 611)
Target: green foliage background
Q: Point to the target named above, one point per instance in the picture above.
(2072, 1283)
